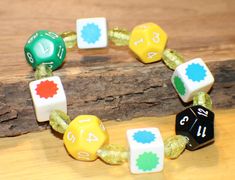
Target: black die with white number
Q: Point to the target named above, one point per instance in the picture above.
(197, 124)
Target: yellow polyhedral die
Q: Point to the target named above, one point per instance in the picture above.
(84, 136)
(148, 42)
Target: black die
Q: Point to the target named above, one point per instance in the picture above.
(197, 124)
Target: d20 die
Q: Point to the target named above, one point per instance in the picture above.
(146, 150)
(45, 47)
(148, 42)
(192, 77)
(84, 136)
(92, 33)
(47, 94)
(197, 124)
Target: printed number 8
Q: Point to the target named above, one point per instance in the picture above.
(30, 57)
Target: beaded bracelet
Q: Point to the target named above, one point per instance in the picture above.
(85, 137)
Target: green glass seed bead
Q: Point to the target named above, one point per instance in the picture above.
(70, 39)
(45, 47)
(113, 154)
(174, 146)
(59, 121)
(172, 58)
(42, 71)
(203, 99)
(119, 36)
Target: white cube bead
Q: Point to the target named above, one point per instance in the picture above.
(146, 150)
(192, 77)
(92, 33)
(47, 95)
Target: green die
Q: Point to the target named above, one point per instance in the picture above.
(45, 47)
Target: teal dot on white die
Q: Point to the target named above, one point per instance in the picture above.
(91, 33)
(144, 136)
(147, 161)
(196, 72)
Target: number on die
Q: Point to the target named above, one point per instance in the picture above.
(197, 124)
(84, 136)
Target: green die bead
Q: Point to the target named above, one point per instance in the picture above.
(45, 47)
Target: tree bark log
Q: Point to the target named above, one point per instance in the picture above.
(120, 92)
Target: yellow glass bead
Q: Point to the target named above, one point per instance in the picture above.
(84, 136)
(113, 154)
(120, 37)
(70, 39)
(203, 99)
(172, 58)
(174, 146)
(148, 42)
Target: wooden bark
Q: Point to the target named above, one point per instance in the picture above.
(136, 90)
(111, 83)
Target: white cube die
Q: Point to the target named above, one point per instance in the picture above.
(146, 150)
(92, 33)
(47, 94)
(192, 77)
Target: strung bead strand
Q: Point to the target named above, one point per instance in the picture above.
(85, 137)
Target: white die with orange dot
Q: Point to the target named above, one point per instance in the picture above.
(192, 77)
(47, 95)
(146, 150)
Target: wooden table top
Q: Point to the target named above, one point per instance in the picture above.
(42, 155)
(203, 28)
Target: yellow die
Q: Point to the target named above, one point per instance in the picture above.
(148, 42)
(84, 136)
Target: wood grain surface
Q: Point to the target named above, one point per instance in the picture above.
(43, 156)
(110, 82)
(203, 28)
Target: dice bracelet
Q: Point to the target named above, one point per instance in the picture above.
(45, 51)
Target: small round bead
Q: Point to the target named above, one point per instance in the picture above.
(42, 71)
(203, 99)
(172, 58)
(59, 121)
(70, 39)
(174, 146)
(120, 37)
(113, 154)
